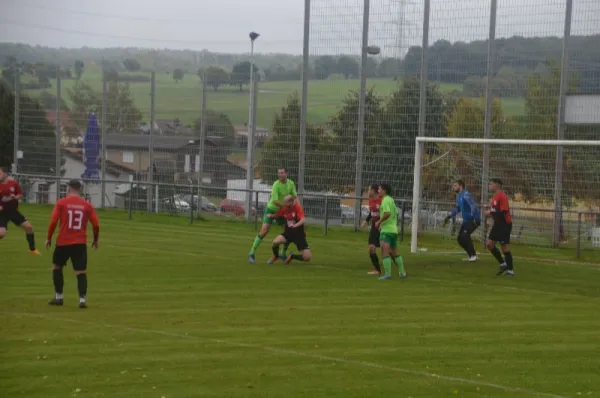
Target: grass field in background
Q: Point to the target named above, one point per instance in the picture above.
(184, 99)
(176, 311)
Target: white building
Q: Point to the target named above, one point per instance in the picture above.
(43, 191)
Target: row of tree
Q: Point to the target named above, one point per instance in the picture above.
(391, 126)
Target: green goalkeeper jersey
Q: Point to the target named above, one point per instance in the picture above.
(390, 225)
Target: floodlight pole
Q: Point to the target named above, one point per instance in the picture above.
(251, 132)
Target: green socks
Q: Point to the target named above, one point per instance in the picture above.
(400, 263)
(256, 243)
(387, 265)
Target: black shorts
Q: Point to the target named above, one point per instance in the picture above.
(76, 253)
(13, 216)
(501, 233)
(468, 227)
(297, 237)
(374, 236)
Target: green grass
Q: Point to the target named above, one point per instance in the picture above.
(184, 99)
(176, 311)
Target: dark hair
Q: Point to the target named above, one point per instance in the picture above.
(5, 169)
(460, 182)
(387, 188)
(496, 181)
(74, 184)
(374, 187)
(282, 168)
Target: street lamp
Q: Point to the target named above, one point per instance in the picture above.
(251, 131)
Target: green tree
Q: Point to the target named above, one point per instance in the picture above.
(325, 66)
(36, 136)
(79, 68)
(85, 101)
(48, 101)
(215, 76)
(282, 149)
(178, 74)
(348, 67)
(132, 64)
(122, 116)
(240, 74)
(218, 124)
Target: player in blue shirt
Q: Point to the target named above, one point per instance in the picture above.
(465, 204)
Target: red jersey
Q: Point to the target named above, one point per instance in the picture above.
(8, 191)
(73, 213)
(500, 209)
(291, 215)
(374, 209)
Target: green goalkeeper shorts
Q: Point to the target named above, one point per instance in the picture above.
(390, 239)
(269, 220)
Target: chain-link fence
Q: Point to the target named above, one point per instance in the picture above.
(374, 75)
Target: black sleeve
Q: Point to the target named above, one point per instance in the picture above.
(368, 217)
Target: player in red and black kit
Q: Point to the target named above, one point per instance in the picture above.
(10, 194)
(373, 217)
(73, 214)
(293, 232)
(500, 232)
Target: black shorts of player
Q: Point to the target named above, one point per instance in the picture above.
(500, 232)
(468, 227)
(297, 237)
(11, 216)
(76, 253)
(374, 236)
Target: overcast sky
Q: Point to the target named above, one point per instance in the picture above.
(223, 25)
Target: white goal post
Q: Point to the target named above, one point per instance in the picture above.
(537, 156)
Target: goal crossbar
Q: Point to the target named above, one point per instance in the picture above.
(419, 150)
(509, 142)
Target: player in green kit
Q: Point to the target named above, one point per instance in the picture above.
(388, 233)
(281, 188)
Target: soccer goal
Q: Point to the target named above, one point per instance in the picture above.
(553, 187)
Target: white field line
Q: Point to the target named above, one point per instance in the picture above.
(294, 353)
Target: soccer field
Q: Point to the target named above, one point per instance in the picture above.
(176, 311)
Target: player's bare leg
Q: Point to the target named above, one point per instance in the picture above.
(305, 256)
(59, 282)
(2, 233)
(30, 237)
(374, 261)
(82, 288)
(278, 241)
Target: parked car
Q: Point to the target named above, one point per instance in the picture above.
(234, 206)
(347, 212)
(176, 204)
(205, 204)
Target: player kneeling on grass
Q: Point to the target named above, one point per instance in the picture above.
(388, 233)
(293, 232)
(73, 214)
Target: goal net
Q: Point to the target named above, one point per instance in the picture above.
(553, 187)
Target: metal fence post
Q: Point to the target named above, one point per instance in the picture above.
(361, 115)
(578, 248)
(489, 98)
(58, 133)
(130, 199)
(304, 105)
(17, 120)
(103, 138)
(256, 213)
(422, 109)
(326, 223)
(150, 141)
(201, 139)
(560, 119)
